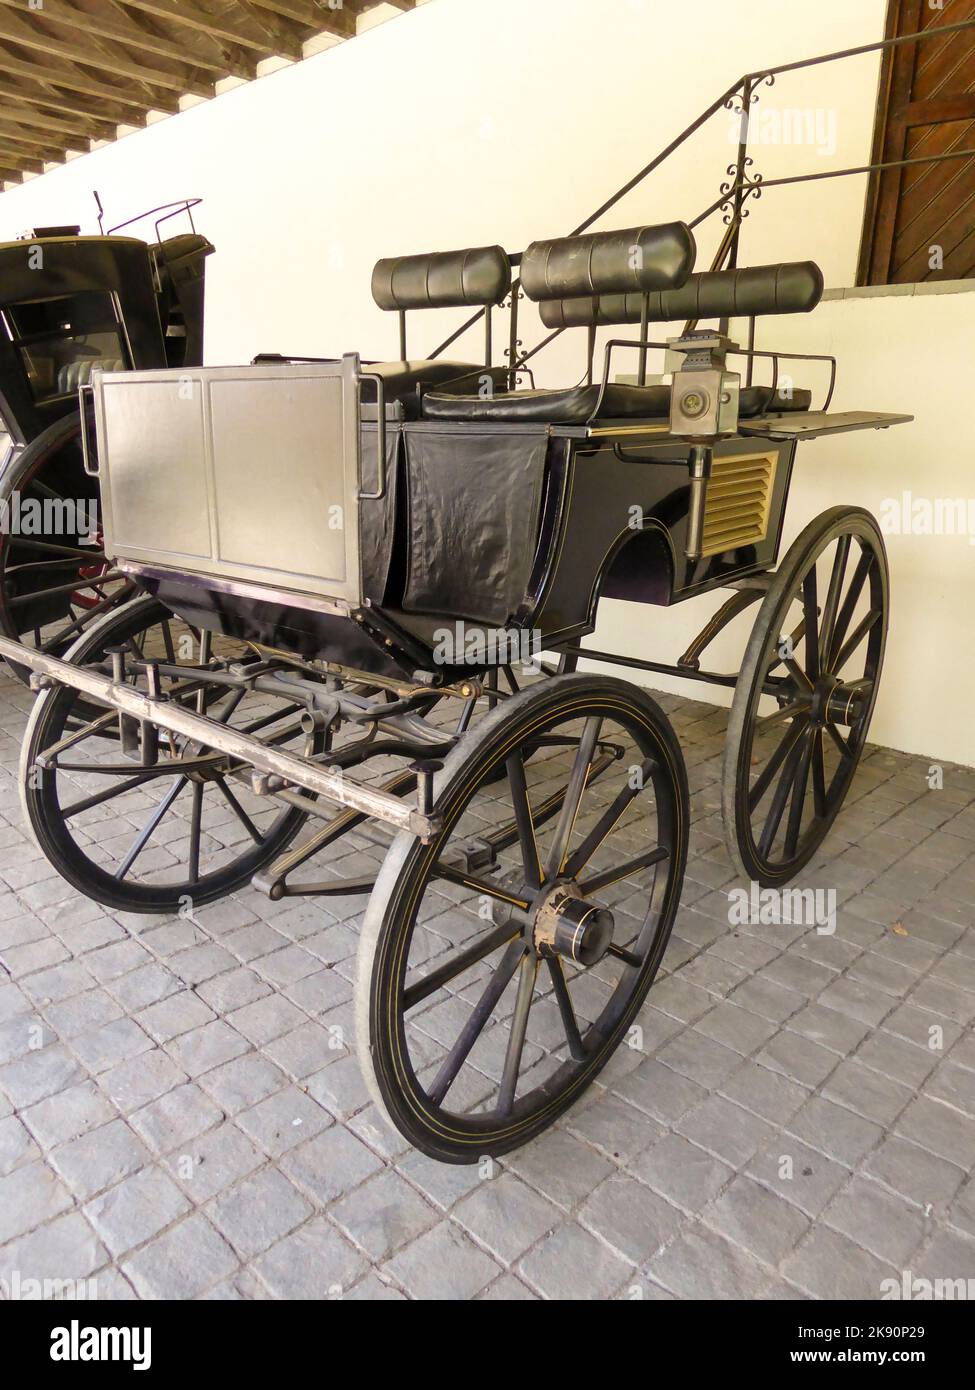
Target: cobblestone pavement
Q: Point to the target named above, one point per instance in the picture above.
(176, 1120)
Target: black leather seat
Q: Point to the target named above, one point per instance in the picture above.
(575, 404)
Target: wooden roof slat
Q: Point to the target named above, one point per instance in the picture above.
(85, 127)
(192, 16)
(91, 54)
(45, 97)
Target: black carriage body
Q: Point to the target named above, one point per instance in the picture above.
(70, 303)
(495, 539)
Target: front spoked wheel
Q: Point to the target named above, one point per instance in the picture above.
(153, 835)
(805, 695)
(501, 965)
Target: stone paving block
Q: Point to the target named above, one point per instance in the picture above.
(267, 1018)
(315, 1262)
(100, 1158)
(867, 1092)
(103, 1047)
(736, 1028)
(63, 1251)
(176, 1117)
(767, 1093)
(725, 1129)
(175, 1015)
(203, 1048)
(914, 1172)
(506, 1216)
(572, 1264)
(443, 1183)
(68, 1113)
(443, 1263)
(940, 1128)
(561, 1167)
(633, 1220)
(700, 1058)
(617, 1129)
(16, 1144)
(702, 1264)
(829, 1265)
(383, 1214)
(233, 989)
(40, 1074)
(141, 1079)
(29, 1196)
(834, 1130)
(259, 1211)
(684, 1173)
(243, 1081)
(283, 1121)
(182, 1262)
(213, 1161)
(756, 1219)
(330, 1164)
(828, 1028)
(877, 1220)
(798, 1173)
(136, 1210)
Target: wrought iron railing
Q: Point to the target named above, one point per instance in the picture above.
(739, 187)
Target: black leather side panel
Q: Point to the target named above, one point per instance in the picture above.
(473, 508)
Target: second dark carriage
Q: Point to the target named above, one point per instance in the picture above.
(70, 304)
(353, 555)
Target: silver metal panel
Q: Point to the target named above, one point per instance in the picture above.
(248, 474)
(811, 424)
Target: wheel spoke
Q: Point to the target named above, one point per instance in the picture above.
(573, 796)
(865, 626)
(581, 857)
(196, 820)
(863, 567)
(779, 800)
(435, 979)
(836, 577)
(820, 803)
(484, 886)
(615, 875)
(764, 780)
(519, 1029)
(841, 743)
(530, 859)
(474, 1026)
(147, 831)
(572, 1035)
(239, 811)
(784, 712)
(800, 783)
(810, 613)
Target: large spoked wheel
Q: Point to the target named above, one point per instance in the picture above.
(501, 965)
(805, 696)
(55, 579)
(158, 838)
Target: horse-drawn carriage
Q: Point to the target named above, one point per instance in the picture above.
(71, 304)
(341, 563)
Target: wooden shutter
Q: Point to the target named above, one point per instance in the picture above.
(926, 107)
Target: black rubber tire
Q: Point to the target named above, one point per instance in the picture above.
(42, 812)
(821, 531)
(388, 926)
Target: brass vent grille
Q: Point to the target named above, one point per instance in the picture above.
(738, 501)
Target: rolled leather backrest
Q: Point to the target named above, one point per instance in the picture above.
(636, 259)
(442, 279)
(791, 287)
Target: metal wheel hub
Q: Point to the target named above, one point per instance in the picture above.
(565, 924)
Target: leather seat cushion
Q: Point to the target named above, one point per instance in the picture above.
(574, 405)
(403, 378)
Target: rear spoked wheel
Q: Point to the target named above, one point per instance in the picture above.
(502, 964)
(805, 695)
(183, 831)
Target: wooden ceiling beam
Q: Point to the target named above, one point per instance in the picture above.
(314, 17)
(39, 95)
(12, 136)
(36, 122)
(103, 58)
(124, 29)
(12, 169)
(64, 75)
(181, 12)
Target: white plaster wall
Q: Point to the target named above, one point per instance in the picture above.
(471, 121)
